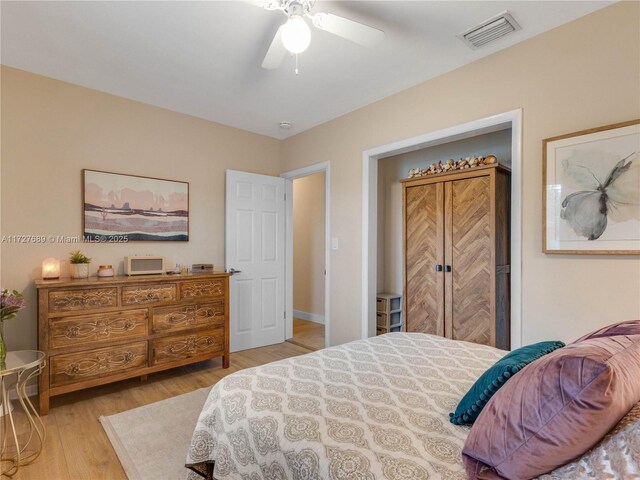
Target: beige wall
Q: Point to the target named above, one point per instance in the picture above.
(581, 75)
(308, 244)
(52, 130)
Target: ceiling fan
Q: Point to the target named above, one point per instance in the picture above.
(294, 35)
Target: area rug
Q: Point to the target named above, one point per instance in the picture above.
(152, 441)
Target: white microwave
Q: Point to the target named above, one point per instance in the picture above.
(144, 265)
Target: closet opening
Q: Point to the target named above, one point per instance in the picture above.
(443, 240)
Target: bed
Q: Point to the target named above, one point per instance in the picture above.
(370, 409)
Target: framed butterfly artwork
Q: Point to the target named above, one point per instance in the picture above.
(591, 182)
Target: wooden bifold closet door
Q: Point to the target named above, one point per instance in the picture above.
(468, 250)
(424, 215)
(456, 239)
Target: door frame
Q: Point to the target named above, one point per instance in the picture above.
(370, 158)
(289, 177)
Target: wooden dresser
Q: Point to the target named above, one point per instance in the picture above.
(99, 331)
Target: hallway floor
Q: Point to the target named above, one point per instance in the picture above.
(307, 334)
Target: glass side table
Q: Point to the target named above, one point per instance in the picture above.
(19, 367)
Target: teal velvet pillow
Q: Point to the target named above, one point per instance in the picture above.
(490, 382)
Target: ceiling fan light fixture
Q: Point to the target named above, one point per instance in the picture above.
(296, 34)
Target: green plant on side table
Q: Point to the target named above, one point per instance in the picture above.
(10, 303)
(79, 267)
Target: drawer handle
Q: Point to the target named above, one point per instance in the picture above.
(73, 331)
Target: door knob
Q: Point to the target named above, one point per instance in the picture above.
(438, 268)
(447, 268)
(233, 271)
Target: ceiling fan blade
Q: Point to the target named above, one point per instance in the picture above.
(266, 4)
(276, 53)
(343, 27)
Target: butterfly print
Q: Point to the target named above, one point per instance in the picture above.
(615, 197)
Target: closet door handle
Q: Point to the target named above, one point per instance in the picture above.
(447, 268)
(438, 268)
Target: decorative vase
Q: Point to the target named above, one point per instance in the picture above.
(79, 270)
(105, 271)
(3, 347)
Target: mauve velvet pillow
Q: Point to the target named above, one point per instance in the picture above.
(631, 327)
(556, 408)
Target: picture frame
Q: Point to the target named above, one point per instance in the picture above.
(591, 191)
(119, 207)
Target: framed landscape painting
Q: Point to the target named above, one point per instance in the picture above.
(121, 207)
(591, 182)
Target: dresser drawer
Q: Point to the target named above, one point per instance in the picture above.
(188, 316)
(202, 289)
(101, 362)
(148, 294)
(85, 299)
(97, 328)
(179, 347)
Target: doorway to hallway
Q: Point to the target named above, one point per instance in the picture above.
(308, 201)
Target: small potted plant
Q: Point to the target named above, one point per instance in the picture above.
(79, 264)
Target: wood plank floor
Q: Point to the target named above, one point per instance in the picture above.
(307, 334)
(77, 448)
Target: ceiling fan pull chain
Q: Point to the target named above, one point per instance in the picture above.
(296, 64)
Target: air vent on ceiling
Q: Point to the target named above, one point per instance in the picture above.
(489, 30)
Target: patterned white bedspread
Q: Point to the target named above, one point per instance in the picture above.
(369, 409)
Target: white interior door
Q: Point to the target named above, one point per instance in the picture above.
(254, 246)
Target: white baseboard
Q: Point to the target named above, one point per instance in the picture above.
(312, 317)
(32, 390)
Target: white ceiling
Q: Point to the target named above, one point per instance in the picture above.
(203, 58)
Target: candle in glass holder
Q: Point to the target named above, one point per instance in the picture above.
(50, 268)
